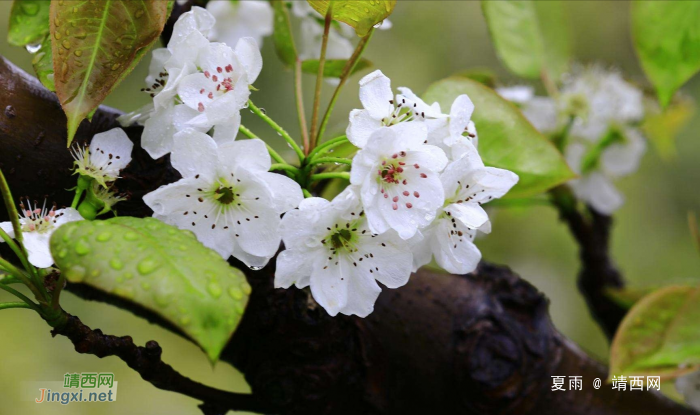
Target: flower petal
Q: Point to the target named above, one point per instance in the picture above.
(112, 150)
(249, 56)
(376, 95)
(247, 154)
(293, 268)
(599, 192)
(472, 215)
(453, 247)
(37, 246)
(361, 127)
(194, 154)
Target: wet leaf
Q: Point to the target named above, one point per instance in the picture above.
(282, 35)
(159, 267)
(506, 139)
(530, 36)
(659, 336)
(95, 44)
(666, 36)
(360, 15)
(43, 64)
(333, 68)
(29, 22)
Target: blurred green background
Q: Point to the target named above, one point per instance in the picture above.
(429, 41)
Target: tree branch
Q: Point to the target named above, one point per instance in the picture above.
(598, 273)
(146, 361)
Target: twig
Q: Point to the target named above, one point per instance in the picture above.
(298, 91)
(147, 362)
(319, 77)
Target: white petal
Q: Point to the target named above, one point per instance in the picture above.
(394, 260)
(111, 150)
(237, 20)
(249, 56)
(66, 215)
(420, 247)
(621, 159)
(427, 111)
(172, 198)
(247, 154)
(460, 115)
(361, 127)
(37, 246)
(492, 183)
(293, 268)
(362, 293)
(542, 113)
(306, 226)
(329, 286)
(376, 95)
(470, 214)
(227, 131)
(196, 20)
(158, 132)
(286, 193)
(7, 227)
(453, 252)
(193, 154)
(519, 94)
(599, 192)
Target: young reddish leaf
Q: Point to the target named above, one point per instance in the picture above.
(95, 44)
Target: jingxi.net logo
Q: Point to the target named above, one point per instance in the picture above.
(78, 387)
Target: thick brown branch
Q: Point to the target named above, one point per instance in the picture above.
(598, 273)
(147, 362)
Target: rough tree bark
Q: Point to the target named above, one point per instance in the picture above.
(476, 344)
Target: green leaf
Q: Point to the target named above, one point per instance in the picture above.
(29, 22)
(663, 127)
(667, 40)
(659, 336)
(627, 297)
(95, 44)
(506, 139)
(333, 68)
(530, 36)
(43, 64)
(159, 267)
(360, 15)
(481, 75)
(282, 35)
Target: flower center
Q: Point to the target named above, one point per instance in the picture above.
(402, 112)
(159, 83)
(35, 219)
(222, 82)
(391, 168)
(342, 237)
(224, 195)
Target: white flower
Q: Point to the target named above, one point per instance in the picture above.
(468, 184)
(243, 18)
(600, 99)
(616, 155)
(447, 131)
(330, 247)
(37, 227)
(196, 84)
(399, 179)
(227, 196)
(689, 387)
(107, 154)
(382, 110)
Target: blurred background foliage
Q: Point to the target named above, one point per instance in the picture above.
(430, 40)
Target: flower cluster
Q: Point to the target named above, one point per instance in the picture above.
(599, 112)
(416, 188)
(196, 84)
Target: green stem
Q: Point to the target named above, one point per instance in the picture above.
(307, 194)
(298, 91)
(11, 209)
(26, 279)
(57, 291)
(17, 249)
(275, 156)
(332, 143)
(333, 175)
(560, 138)
(319, 76)
(285, 167)
(347, 70)
(341, 160)
(279, 129)
(6, 306)
(22, 297)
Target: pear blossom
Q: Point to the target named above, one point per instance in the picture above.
(38, 224)
(227, 196)
(382, 109)
(243, 18)
(398, 176)
(330, 247)
(542, 112)
(450, 237)
(689, 386)
(455, 128)
(196, 84)
(598, 164)
(107, 154)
